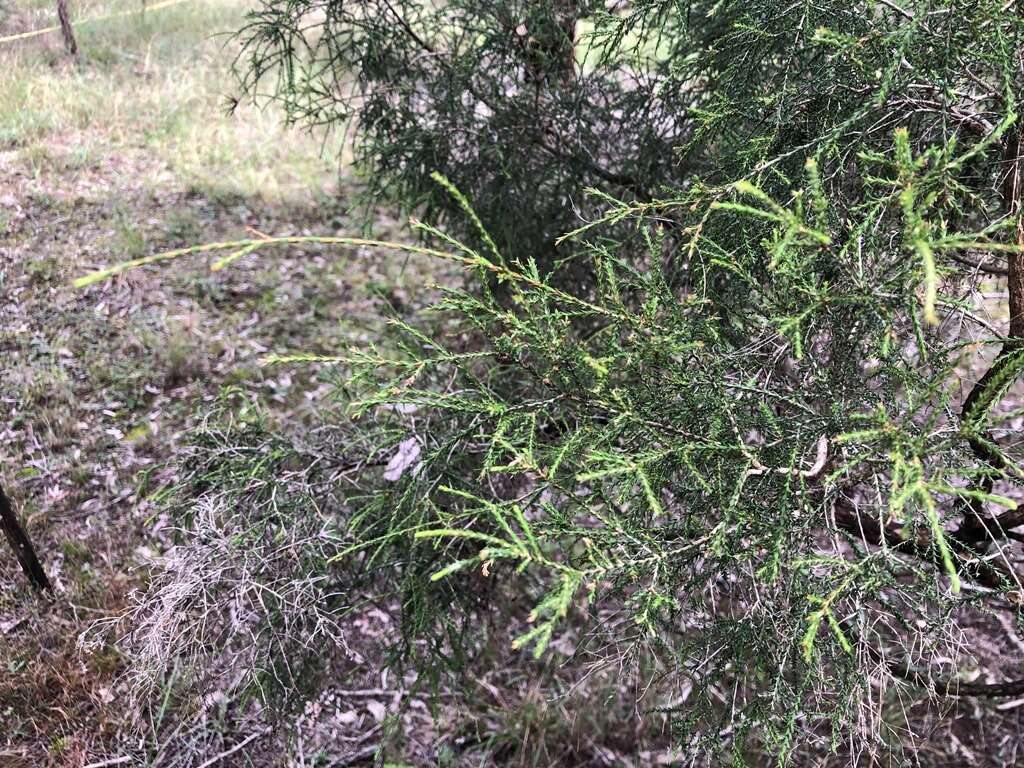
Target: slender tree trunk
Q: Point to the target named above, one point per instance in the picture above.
(551, 43)
(21, 545)
(1013, 189)
(1012, 193)
(566, 16)
(65, 27)
(978, 527)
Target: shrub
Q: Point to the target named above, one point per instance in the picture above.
(484, 92)
(768, 458)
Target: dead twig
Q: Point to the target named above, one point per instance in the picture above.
(22, 545)
(228, 752)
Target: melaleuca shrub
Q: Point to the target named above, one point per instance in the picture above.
(774, 480)
(488, 93)
(773, 448)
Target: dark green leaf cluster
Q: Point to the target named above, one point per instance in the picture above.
(524, 104)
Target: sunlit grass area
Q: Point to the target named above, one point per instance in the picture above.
(154, 79)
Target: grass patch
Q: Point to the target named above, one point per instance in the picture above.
(158, 81)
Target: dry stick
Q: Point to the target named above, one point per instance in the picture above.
(977, 526)
(65, 27)
(21, 545)
(228, 752)
(112, 761)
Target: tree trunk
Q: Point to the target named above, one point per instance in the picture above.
(551, 44)
(978, 527)
(65, 27)
(21, 545)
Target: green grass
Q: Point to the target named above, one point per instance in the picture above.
(159, 82)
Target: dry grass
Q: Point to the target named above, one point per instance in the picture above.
(156, 82)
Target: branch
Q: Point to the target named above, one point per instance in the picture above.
(22, 545)
(948, 686)
(612, 177)
(874, 533)
(408, 29)
(981, 266)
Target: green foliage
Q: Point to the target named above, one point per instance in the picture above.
(524, 104)
(666, 452)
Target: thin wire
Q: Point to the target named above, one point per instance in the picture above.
(46, 30)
